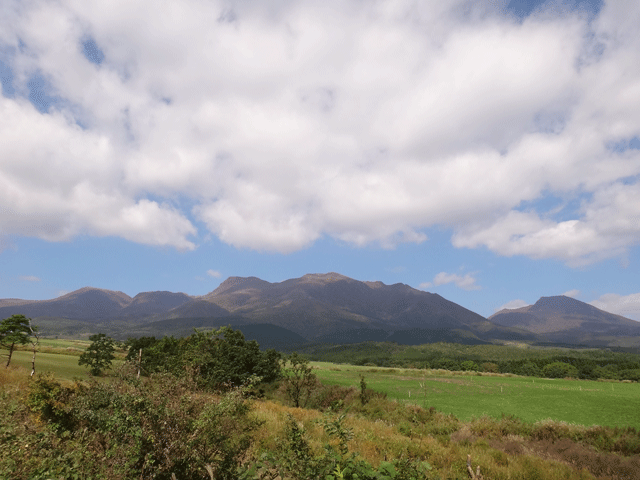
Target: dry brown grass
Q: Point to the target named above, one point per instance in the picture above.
(506, 449)
(505, 456)
(14, 378)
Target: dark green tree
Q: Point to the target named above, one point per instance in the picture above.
(222, 359)
(99, 355)
(529, 369)
(559, 370)
(140, 353)
(15, 330)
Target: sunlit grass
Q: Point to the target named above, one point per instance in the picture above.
(63, 365)
(468, 395)
(385, 430)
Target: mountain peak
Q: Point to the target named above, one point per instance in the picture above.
(323, 277)
(564, 305)
(237, 283)
(565, 319)
(115, 296)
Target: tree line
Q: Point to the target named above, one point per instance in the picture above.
(588, 364)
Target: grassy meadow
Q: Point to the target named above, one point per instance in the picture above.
(57, 356)
(63, 366)
(469, 395)
(522, 445)
(466, 395)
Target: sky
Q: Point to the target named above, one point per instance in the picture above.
(487, 151)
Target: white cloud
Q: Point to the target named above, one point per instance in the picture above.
(214, 273)
(625, 305)
(513, 304)
(572, 293)
(283, 122)
(29, 278)
(608, 228)
(465, 282)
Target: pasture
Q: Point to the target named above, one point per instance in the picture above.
(59, 357)
(468, 395)
(62, 365)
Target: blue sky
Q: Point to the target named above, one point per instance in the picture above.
(485, 151)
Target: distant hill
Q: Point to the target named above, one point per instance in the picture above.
(86, 303)
(326, 307)
(562, 319)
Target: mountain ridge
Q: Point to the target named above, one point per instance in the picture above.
(328, 306)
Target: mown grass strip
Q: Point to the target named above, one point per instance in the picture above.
(63, 365)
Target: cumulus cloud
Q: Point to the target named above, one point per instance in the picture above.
(273, 124)
(513, 304)
(214, 273)
(625, 305)
(572, 293)
(608, 227)
(465, 282)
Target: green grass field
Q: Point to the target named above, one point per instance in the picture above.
(63, 366)
(61, 360)
(469, 395)
(466, 395)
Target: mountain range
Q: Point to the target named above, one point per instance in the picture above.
(329, 308)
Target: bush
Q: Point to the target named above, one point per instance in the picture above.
(52, 401)
(158, 427)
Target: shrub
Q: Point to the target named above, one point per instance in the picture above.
(146, 429)
(52, 401)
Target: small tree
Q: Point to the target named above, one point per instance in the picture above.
(14, 330)
(299, 379)
(99, 355)
(35, 343)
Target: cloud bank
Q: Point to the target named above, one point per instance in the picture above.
(625, 305)
(272, 124)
